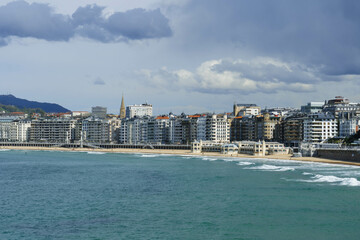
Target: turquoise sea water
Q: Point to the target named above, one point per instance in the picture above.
(79, 195)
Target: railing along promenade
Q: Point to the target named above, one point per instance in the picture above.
(96, 145)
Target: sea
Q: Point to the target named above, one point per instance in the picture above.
(93, 195)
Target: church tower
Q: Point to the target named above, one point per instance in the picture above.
(122, 108)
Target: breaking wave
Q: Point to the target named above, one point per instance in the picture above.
(353, 182)
(272, 168)
(209, 159)
(244, 163)
(150, 155)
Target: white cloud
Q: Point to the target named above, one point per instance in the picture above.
(237, 76)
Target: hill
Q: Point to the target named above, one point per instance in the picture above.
(23, 103)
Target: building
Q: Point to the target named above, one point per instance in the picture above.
(14, 130)
(20, 131)
(115, 125)
(292, 130)
(96, 130)
(312, 107)
(53, 130)
(134, 131)
(265, 126)
(243, 128)
(213, 128)
(139, 110)
(262, 148)
(340, 105)
(80, 114)
(348, 127)
(246, 109)
(99, 112)
(320, 126)
(160, 129)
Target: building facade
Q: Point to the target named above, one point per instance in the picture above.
(139, 110)
(319, 127)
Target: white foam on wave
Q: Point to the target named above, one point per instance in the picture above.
(209, 159)
(272, 168)
(245, 163)
(353, 182)
(307, 173)
(349, 173)
(150, 155)
(4, 150)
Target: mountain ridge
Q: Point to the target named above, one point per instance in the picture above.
(23, 103)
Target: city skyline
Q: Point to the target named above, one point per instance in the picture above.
(195, 56)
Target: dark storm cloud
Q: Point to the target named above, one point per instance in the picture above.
(34, 20)
(21, 19)
(325, 34)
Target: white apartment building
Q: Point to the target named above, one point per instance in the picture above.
(20, 131)
(139, 110)
(319, 127)
(14, 131)
(219, 129)
(214, 128)
(5, 130)
(348, 127)
(134, 131)
(249, 111)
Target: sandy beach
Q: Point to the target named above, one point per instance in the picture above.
(183, 152)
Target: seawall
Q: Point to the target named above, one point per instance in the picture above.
(339, 154)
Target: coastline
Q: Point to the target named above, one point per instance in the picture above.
(183, 152)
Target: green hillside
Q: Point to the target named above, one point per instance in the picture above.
(10, 109)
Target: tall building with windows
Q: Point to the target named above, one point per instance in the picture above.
(96, 130)
(213, 128)
(139, 110)
(319, 127)
(53, 130)
(99, 112)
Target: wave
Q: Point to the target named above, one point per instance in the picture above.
(272, 168)
(4, 150)
(209, 159)
(150, 155)
(307, 173)
(244, 163)
(353, 182)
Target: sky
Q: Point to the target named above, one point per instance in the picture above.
(189, 56)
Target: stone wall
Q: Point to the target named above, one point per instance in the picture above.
(339, 154)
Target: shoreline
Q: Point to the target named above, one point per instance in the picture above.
(183, 152)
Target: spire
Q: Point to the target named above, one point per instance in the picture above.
(122, 108)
